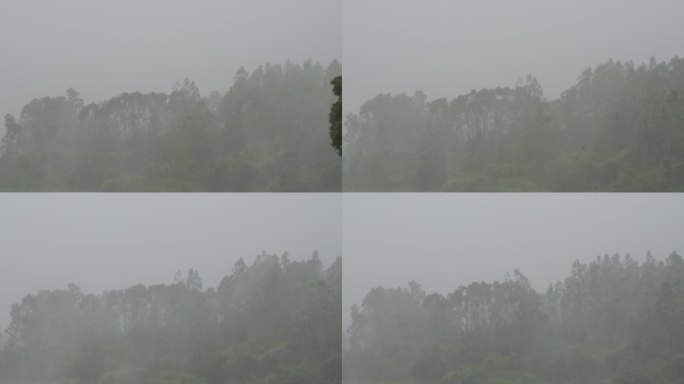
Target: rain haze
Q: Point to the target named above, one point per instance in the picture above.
(104, 242)
(447, 48)
(443, 241)
(105, 48)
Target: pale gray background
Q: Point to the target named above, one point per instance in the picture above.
(104, 48)
(112, 241)
(446, 240)
(448, 47)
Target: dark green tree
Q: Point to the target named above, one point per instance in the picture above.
(335, 116)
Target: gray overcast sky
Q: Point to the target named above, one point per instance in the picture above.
(103, 48)
(447, 47)
(104, 241)
(446, 240)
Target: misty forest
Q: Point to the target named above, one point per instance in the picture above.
(613, 321)
(619, 128)
(274, 321)
(269, 132)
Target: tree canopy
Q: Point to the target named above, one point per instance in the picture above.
(266, 133)
(613, 320)
(335, 117)
(273, 321)
(619, 128)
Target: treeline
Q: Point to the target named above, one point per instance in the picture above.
(276, 321)
(269, 132)
(613, 321)
(620, 128)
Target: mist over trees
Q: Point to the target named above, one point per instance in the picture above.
(268, 132)
(619, 128)
(613, 320)
(274, 321)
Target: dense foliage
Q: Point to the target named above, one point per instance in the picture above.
(620, 128)
(613, 321)
(335, 117)
(277, 321)
(267, 133)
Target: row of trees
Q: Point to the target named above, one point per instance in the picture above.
(267, 133)
(619, 128)
(274, 321)
(614, 320)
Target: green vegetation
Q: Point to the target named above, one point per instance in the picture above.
(277, 321)
(267, 133)
(335, 117)
(620, 128)
(612, 321)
